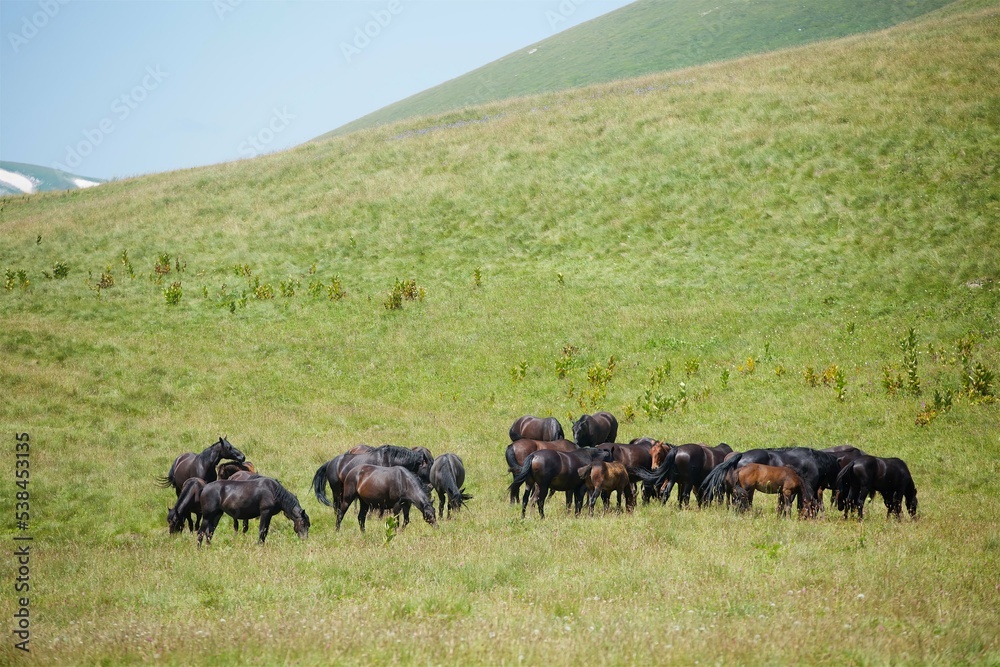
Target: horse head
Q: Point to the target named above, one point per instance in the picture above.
(301, 523)
(427, 509)
(579, 425)
(227, 451)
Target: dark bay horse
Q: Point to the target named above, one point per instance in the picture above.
(336, 469)
(687, 465)
(188, 503)
(548, 469)
(845, 454)
(230, 468)
(262, 497)
(600, 478)
(519, 450)
(782, 480)
(199, 465)
(536, 428)
(816, 469)
(596, 429)
(241, 476)
(447, 478)
(391, 488)
(861, 478)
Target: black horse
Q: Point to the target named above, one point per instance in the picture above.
(817, 470)
(548, 469)
(845, 454)
(536, 428)
(447, 478)
(241, 476)
(188, 503)
(336, 469)
(687, 465)
(199, 465)
(596, 429)
(262, 497)
(861, 478)
(391, 488)
(635, 456)
(518, 451)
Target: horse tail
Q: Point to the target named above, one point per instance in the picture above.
(319, 485)
(523, 474)
(164, 482)
(511, 459)
(584, 472)
(712, 485)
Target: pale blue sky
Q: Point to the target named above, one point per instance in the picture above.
(155, 85)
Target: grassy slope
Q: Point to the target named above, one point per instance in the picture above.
(805, 208)
(645, 37)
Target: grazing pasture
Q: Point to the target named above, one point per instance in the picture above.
(794, 249)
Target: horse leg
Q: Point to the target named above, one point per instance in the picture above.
(208, 528)
(362, 513)
(592, 500)
(665, 491)
(569, 500)
(265, 526)
(684, 495)
(527, 497)
(406, 514)
(441, 505)
(539, 496)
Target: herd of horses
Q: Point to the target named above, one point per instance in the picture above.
(593, 465)
(386, 478)
(541, 459)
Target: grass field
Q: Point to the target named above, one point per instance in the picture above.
(719, 231)
(646, 37)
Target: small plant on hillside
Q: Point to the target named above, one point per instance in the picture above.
(628, 413)
(403, 290)
(15, 278)
(810, 377)
(261, 291)
(840, 384)
(127, 267)
(519, 372)
(242, 270)
(942, 404)
(724, 378)
(162, 266)
(561, 279)
(981, 382)
(909, 347)
(172, 293)
(566, 361)
(106, 280)
(659, 374)
(289, 287)
(335, 290)
(891, 380)
(779, 370)
(60, 270)
(179, 266)
(749, 367)
(829, 377)
(477, 277)
(599, 376)
(691, 367)
(391, 524)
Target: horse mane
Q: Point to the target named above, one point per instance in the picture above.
(399, 456)
(285, 498)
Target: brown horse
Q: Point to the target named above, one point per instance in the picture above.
(391, 488)
(782, 480)
(519, 450)
(636, 455)
(536, 428)
(601, 478)
(596, 429)
(228, 469)
(687, 465)
(202, 465)
(188, 503)
(334, 471)
(559, 471)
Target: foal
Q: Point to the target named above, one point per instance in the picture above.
(768, 479)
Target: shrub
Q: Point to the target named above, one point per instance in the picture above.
(172, 293)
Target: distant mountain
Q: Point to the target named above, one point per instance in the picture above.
(17, 178)
(645, 37)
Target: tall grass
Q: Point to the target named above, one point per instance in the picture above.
(803, 209)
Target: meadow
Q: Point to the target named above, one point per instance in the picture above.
(796, 248)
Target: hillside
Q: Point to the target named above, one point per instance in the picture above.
(19, 178)
(645, 37)
(793, 248)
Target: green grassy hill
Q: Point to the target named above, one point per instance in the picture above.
(797, 248)
(645, 37)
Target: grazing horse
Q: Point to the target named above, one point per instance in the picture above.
(845, 454)
(636, 455)
(536, 428)
(242, 476)
(387, 488)
(861, 478)
(596, 429)
(782, 480)
(227, 470)
(687, 465)
(601, 478)
(816, 468)
(549, 469)
(336, 469)
(262, 497)
(199, 465)
(447, 478)
(519, 450)
(188, 503)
